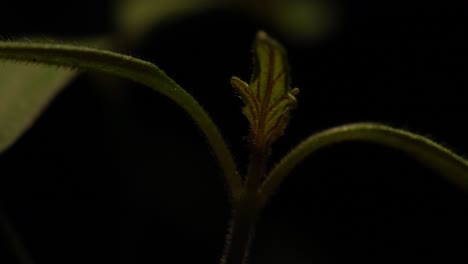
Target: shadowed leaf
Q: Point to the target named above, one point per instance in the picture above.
(25, 90)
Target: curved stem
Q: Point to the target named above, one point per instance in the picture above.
(133, 69)
(429, 153)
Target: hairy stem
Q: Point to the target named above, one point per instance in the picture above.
(429, 153)
(246, 210)
(133, 69)
(241, 231)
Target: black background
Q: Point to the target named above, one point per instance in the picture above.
(113, 172)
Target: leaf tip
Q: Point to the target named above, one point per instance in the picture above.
(268, 98)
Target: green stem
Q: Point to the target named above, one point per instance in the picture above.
(257, 169)
(136, 70)
(246, 210)
(240, 233)
(429, 153)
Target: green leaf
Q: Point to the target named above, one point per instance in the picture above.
(25, 90)
(140, 71)
(268, 98)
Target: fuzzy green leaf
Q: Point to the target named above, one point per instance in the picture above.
(268, 98)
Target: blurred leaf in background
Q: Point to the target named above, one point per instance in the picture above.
(300, 20)
(135, 18)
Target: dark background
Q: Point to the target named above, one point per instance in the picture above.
(113, 172)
